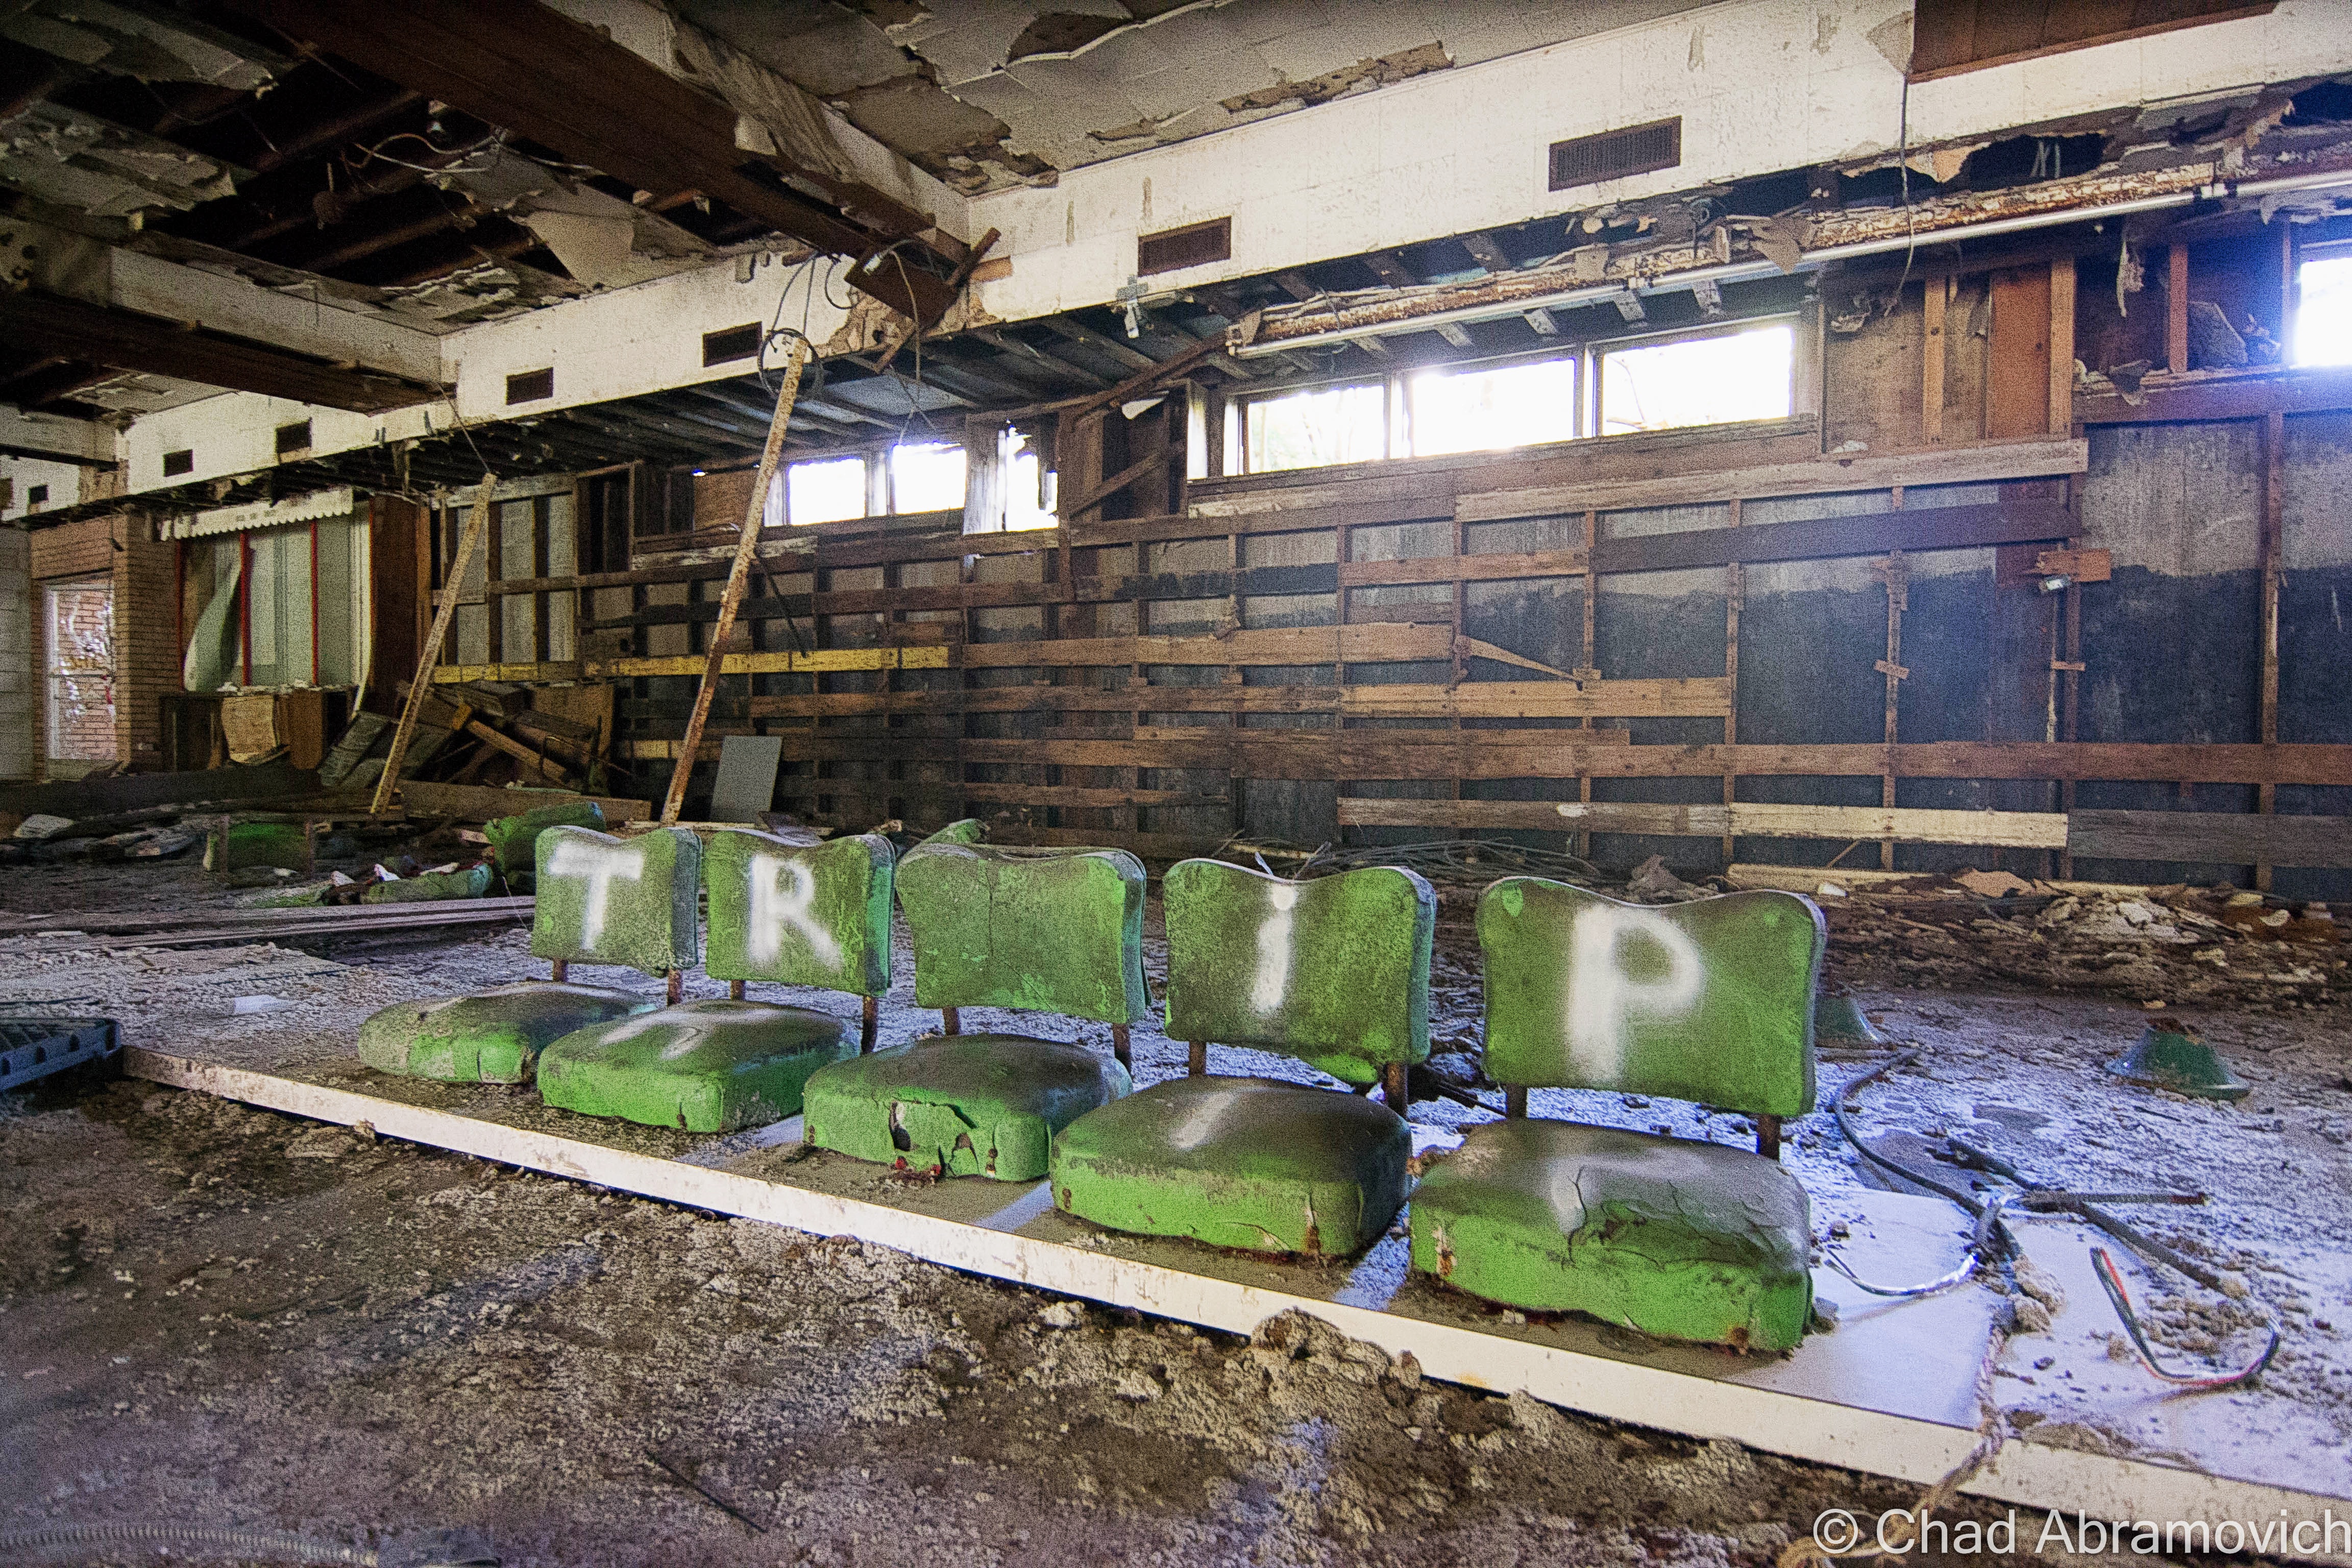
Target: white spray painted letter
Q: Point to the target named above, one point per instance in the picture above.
(602, 867)
(1272, 980)
(1603, 998)
(782, 894)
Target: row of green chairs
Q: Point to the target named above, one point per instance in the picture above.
(1710, 1002)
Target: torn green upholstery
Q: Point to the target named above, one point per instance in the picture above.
(817, 916)
(703, 1067)
(1710, 1001)
(1054, 931)
(800, 915)
(1238, 1162)
(634, 901)
(601, 899)
(492, 1037)
(1335, 971)
(962, 1105)
(1049, 930)
(1676, 1238)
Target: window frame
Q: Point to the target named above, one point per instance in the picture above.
(1586, 354)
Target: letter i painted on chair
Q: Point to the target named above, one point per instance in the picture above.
(632, 902)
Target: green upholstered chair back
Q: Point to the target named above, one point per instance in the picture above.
(632, 902)
(1711, 1000)
(802, 915)
(1333, 971)
(1052, 930)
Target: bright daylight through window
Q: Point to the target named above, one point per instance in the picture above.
(826, 490)
(926, 478)
(1312, 429)
(1482, 410)
(1699, 381)
(2322, 318)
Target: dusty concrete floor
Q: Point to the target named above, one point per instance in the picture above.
(219, 1314)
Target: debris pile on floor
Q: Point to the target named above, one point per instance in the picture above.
(2168, 945)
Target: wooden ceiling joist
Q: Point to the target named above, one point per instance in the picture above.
(71, 329)
(523, 65)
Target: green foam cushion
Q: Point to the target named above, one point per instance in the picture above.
(1238, 1162)
(493, 1036)
(1054, 931)
(1711, 1000)
(704, 1066)
(802, 915)
(1679, 1239)
(634, 901)
(969, 1105)
(427, 887)
(514, 841)
(1335, 971)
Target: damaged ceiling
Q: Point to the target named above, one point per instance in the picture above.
(987, 93)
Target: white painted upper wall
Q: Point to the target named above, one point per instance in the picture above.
(1761, 85)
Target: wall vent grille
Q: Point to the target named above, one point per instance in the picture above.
(180, 462)
(1614, 154)
(1194, 245)
(731, 343)
(294, 438)
(530, 386)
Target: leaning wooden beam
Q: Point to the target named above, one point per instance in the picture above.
(477, 524)
(739, 575)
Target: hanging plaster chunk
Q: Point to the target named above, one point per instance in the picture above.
(514, 841)
(1709, 1001)
(630, 901)
(798, 914)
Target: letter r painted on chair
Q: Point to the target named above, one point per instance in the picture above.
(784, 895)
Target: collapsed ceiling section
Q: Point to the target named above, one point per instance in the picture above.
(990, 93)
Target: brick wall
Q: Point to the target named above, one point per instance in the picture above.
(143, 573)
(18, 653)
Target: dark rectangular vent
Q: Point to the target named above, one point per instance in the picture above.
(530, 386)
(294, 438)
(1614, 154)
(731, 343)
(1194, 245)
(36, 495)
(180, 462)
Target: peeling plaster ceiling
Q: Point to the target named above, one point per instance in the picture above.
(987, 93)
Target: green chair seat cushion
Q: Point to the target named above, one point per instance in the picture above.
(1244, 1163)
(1679, 1239)
(493, 1036)
(969, 1105)
(704, 1066)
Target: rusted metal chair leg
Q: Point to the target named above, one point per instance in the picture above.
(1196, 1063)
(1514, 1104)
(562, 970)
(735, 990)
(1394, 1088)
(677, 985)
(1119, 1047)
(869, 1025)
(1768, 1137)
(950, 1021)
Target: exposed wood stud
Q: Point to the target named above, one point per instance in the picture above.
(2274, 450)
